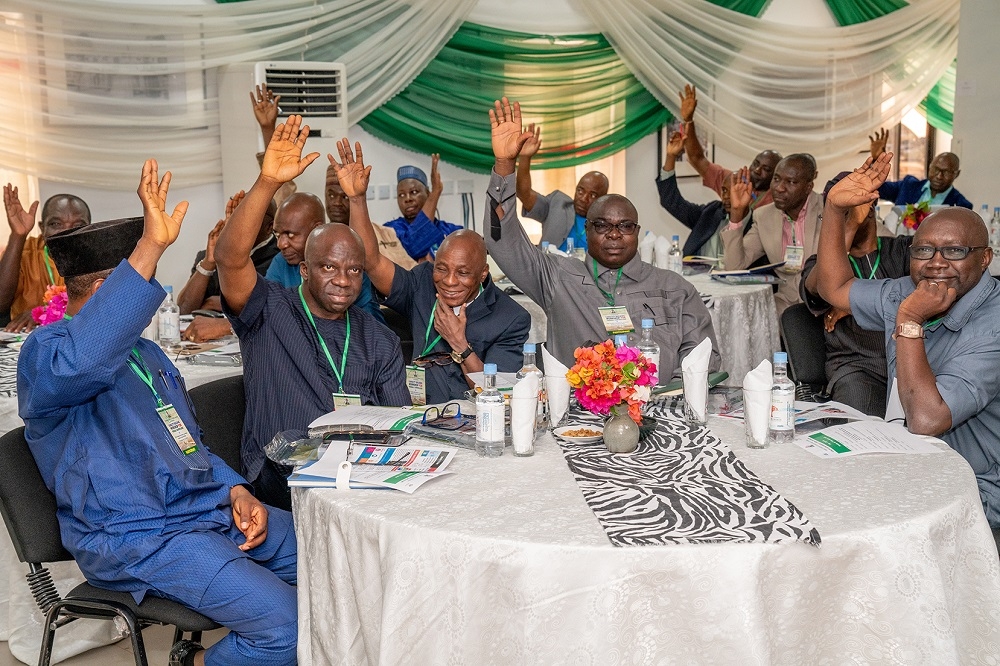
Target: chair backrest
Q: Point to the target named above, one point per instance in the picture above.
(805, 343)
(221, 406)
(28, 508)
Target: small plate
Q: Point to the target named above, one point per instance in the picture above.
(558, 432)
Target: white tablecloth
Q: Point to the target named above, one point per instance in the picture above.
(503, 562)
(20, 619)
(745, 321)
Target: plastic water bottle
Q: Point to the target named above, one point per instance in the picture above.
(545, 247)
(570, 246)
(529, 367)
(984, 212)
(170, 320)
(781, 428)
(649, 348)
(675, 262)
(995, 229)
(490, 421)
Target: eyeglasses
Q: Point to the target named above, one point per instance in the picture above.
(603, 228)
(949, 252)
(434, 414)
(437, 358)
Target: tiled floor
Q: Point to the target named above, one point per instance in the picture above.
(157, 640)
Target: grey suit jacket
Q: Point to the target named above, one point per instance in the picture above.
(556, 213)
(764, 239)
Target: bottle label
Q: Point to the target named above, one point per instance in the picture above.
(170, 326)
(782, 410)
(490, 422)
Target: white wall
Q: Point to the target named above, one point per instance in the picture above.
(977, 100)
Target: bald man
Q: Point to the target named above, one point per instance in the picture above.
(561, 216)
(459, 318)
(309, 349)
(937, 189)
(941, 324)
(26, 270)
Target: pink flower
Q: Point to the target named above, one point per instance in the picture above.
(54, 309)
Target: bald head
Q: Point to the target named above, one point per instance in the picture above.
(63, 212)
(325, 236)
(305, 205)
(952, 227)
(333, 270)
(297, 216)
(942, 172)
(617, 201)
(464, 240)
(964, 224)
(591, 187)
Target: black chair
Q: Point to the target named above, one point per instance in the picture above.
(29, 510)
(805, 342)
(220, 407)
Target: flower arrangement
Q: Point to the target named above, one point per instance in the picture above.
(604, 377)
(915, 214)
(55, 306)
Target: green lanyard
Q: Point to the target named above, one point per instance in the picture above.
(339, 372)
(932, 322)
(792, 222)
(430, 325)
(610, 298)
(48, 265)
(139, 368)
(857, 269)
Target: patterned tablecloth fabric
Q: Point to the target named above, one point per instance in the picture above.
(504, 562)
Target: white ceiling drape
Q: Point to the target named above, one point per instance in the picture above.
(90, 89)
(769, 85)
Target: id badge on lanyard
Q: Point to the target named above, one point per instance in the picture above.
(346, 400)
(795, 255)
(416, 384)
(177, 429)
(616, 320)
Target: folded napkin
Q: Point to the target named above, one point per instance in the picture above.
(523, 409)
(757, 399)
(556, 386)
(661, 255)
(646, 247)
(694, 369)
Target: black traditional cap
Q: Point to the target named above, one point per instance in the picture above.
(95, 247)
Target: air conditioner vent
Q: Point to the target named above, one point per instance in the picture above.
(308, 92)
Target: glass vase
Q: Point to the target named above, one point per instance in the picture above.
(621, 434)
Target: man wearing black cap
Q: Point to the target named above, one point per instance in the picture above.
(418, 228)
(143, 506)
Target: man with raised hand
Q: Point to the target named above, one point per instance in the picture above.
(418, 228)
(760, 171)
(938, 189)
(561, 216)
(941, 324)
(611, 290)
(143, 506)
(459, 318)
(307, 350)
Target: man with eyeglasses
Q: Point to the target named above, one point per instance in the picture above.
(937, 189)
(612, 290)
(942, 324)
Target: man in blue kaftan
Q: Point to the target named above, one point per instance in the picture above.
(143, 505)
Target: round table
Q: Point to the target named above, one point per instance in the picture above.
(503, 562)
(745, 321)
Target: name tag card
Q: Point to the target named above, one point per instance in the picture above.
(416, 383)
(177, 429)
(616, 320)
(346, 400)
(795, 256)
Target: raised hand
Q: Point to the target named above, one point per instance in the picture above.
(351, 170)
(233, 202)
(741, 191)
(689, 102)
(861, 186)
(159, 227)
(878, 141)
(675, 146)
(21, 221)
(436, 184)
(506, 134)
(283, 159)
(534, 142)
(265, 106)
(213, 237)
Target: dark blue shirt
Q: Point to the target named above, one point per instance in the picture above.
(496, 327)
(286, 275)
(288, 380)
(422, 236)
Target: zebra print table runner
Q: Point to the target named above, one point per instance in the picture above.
(682, 485)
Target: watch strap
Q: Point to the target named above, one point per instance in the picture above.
(204, 271)
(908, 329)
(459, 357)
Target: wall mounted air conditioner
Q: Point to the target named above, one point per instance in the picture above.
(314, 90)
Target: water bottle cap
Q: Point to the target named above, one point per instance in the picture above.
(545, 244)
(489, 368)
(780, 357)
(647, 323)
(168, 288)
(621, 339)
(529, 347)
(675, 238)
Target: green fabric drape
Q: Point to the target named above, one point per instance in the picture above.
(849, 12)
(588, 103)
(939, 105)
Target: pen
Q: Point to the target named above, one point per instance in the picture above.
(173, 378)
(163, 377)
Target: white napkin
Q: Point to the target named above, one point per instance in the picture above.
(646, 247)
(694, 368)
(662, 246)
(757, 399)
(556, 386)
(523, 406)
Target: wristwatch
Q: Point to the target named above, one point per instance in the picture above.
(204, 271)
(908, 329)
(459, 357)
